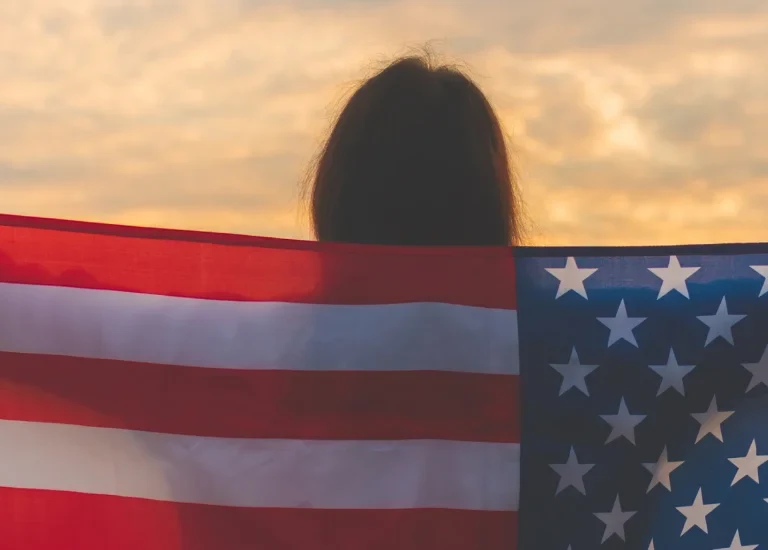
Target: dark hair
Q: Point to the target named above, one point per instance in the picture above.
(416, 157)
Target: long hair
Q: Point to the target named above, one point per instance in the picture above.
(417, 156)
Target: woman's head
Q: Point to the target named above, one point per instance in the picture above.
(416, 157)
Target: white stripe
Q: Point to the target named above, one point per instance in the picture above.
(260, 472)
(256, 335)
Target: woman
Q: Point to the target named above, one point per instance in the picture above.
(416, 157)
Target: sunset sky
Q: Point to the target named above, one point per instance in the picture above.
(632, 122)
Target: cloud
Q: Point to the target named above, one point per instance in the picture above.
(664, 140)
(637, 121)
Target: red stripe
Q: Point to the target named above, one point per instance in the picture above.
(42, 520)
(261, 403)
(238, 267)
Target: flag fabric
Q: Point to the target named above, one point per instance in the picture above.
(644, 406)
(166, 389)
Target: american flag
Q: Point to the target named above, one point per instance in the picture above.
(173, 390)
(644, 397)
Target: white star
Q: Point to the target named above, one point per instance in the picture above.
(736, 544)
(748, 465)
(762, 270)
(759, 371)
(621, 326)
(673, 277)
(571, 473)
(672, 374)
(711, 421)
(720, 323)
(571, 277)
(696, 514)
(661, 470)
(622, 423)
(614, 521)
(574, 374)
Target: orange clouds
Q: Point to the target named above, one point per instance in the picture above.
(630, 124)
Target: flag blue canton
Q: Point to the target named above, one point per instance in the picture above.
(644, 400)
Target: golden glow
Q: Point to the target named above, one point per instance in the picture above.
(628, 126)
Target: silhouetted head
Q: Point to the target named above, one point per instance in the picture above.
(416, 157)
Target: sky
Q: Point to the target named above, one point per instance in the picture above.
(630, 122)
